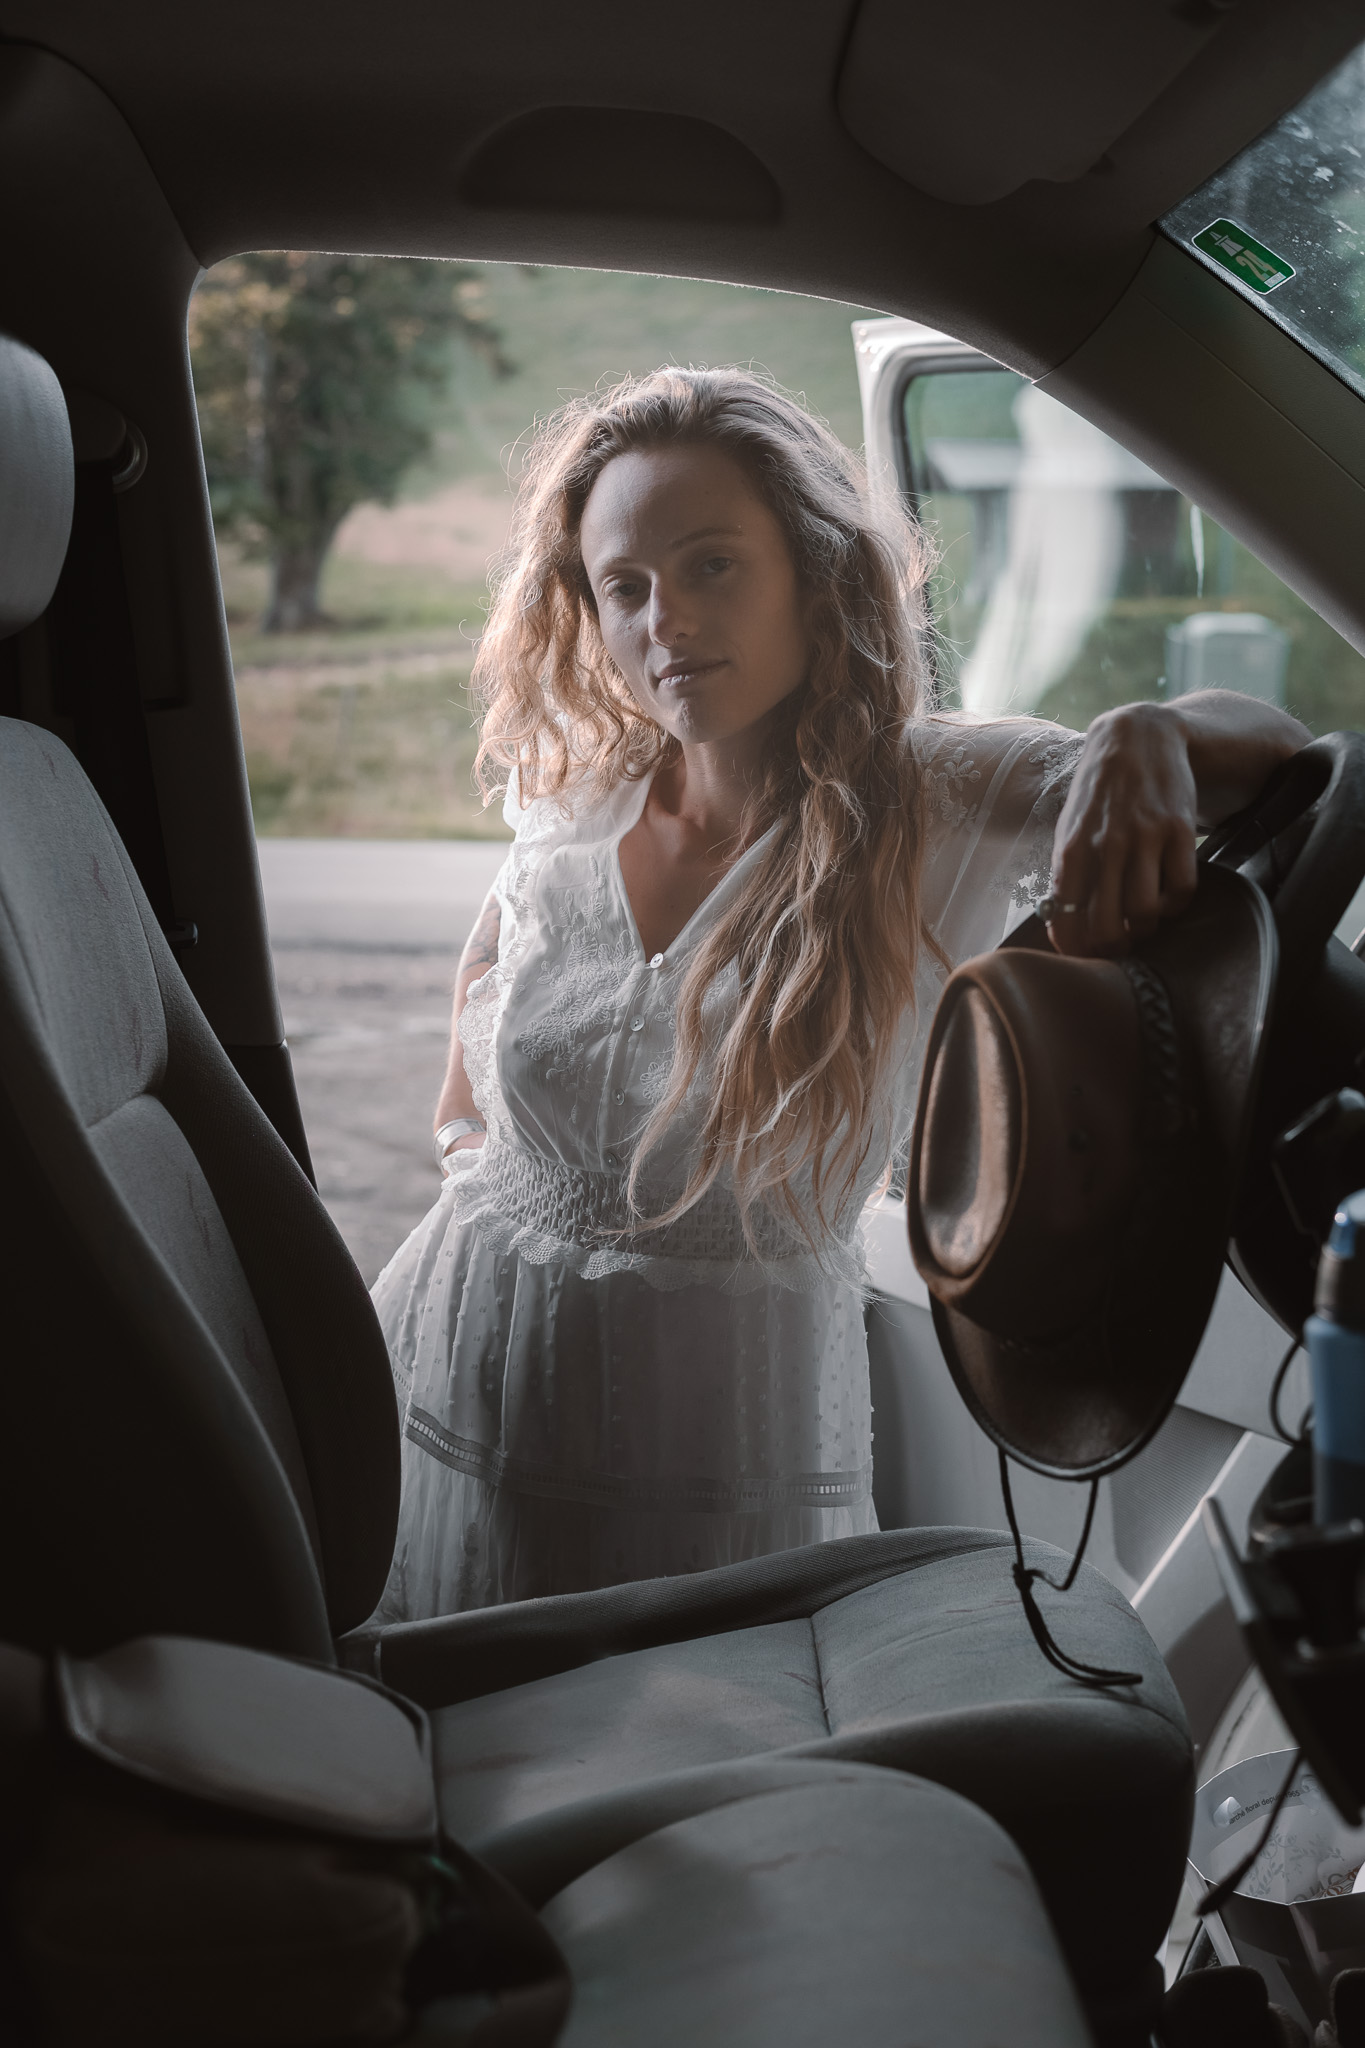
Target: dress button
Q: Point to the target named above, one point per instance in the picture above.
(609, 1158)
(619, 1096)
(657, 961)
(637, 1023)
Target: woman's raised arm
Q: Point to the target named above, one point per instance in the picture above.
(1149, 778)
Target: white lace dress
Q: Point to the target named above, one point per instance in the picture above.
(580, 1408)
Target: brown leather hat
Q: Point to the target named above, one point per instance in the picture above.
(1080, 1131)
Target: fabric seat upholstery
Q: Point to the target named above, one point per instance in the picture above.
(907, 1649)
(809, 1906)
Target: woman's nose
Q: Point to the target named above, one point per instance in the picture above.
(668, 620)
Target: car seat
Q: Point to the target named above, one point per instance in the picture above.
(200, 1437)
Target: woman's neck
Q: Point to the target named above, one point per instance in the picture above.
(708, 790)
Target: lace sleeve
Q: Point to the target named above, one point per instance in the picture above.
(993, 794)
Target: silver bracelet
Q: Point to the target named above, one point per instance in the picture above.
(458, 1127)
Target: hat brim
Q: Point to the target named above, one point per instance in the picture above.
(1082, 1406)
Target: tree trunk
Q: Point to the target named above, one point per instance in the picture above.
(295, 568)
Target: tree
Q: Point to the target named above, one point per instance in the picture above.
(315, 377)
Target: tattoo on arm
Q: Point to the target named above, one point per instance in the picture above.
(481, 947)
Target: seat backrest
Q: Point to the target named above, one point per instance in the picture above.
(198, 1430)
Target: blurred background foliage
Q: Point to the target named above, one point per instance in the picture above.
(317, 379)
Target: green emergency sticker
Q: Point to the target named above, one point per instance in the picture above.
(1243, 255)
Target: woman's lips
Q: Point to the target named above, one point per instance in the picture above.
(678, 679)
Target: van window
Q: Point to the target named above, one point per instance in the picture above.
(1072, 577)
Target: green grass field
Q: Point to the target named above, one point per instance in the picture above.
(365, 732)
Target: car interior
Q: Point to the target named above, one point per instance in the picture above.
(836, 1792)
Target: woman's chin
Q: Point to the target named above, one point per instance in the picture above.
(700, 725)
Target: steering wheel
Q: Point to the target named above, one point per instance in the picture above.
(1303, 842)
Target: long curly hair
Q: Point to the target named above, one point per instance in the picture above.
(826, 934)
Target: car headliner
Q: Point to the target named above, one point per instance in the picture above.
(350, 125)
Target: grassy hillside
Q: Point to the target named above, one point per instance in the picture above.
(568, 331)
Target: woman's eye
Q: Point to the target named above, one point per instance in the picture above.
(714, 564)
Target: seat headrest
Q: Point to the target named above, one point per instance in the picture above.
(37, 485)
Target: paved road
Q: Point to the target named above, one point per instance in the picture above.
(365, 935)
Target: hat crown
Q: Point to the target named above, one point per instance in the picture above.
(1025, 1169)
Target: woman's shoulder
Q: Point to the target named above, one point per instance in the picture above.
(953, 735)
(573, 817)
(963, 758)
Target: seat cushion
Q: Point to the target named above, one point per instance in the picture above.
(504, 1760)
(858, 1906)
(931, 1670)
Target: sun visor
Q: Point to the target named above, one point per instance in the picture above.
(968, 103)
(37, 484)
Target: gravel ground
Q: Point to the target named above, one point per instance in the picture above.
(365, 938)
(368, 1029)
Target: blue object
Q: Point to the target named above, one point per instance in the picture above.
(1335, 1341)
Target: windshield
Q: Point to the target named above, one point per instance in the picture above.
(1285, 221)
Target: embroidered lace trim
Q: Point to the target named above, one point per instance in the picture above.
(548, 1213)
(1057, 759)
(606, 1489)
(948, 778)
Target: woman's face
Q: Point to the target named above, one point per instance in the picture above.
(696, 591)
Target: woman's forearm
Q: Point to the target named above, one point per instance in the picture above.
(1234, 744)
(480, 953)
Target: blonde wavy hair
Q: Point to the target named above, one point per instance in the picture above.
(827, 932)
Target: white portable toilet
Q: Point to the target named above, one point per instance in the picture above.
(1227, 651)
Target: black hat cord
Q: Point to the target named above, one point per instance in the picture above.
(1094, 1675)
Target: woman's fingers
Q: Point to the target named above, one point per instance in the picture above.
(1119, 895)
(1122, 893)
(1123, 857)
(1087, 908)
(1068, 911)
(1179, 871)
(1142, 898)
(1104, 927)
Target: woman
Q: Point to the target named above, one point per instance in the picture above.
(629, 1336)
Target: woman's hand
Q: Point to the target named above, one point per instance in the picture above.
(1150, 777)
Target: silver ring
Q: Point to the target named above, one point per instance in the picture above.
(1050, 908)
